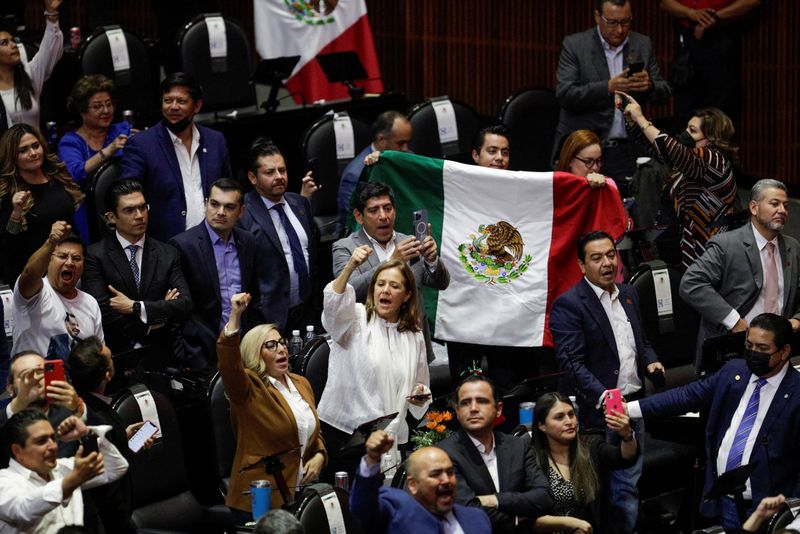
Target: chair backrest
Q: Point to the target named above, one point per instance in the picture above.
(161, 496)
(225, 80)
(309, 508)
(425, 140)
(531, 117)
(785, 515)
(135, 87)
(676, 347)
(319, 143)
(224, 436)
(104, 177)
(314, 365)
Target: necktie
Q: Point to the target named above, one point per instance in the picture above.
(740, 439)
(771, 281)
(134, 267)
(298, 259)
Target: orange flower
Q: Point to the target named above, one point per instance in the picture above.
(448, 416)
(431, 425)
(441, 428)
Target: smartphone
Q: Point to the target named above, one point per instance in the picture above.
(53, 370)
(313, 166)
(634, 67)
(614, 401)
(145, 432)
(90, 444)
(420, 397)
(420, 223)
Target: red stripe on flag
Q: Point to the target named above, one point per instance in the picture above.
(577, 209)
(311, 81)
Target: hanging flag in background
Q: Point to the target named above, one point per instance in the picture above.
(508, 239)
(298, 28)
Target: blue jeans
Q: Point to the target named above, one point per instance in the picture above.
(623, 494)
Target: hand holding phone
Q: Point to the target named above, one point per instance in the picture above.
(613, 402)
(53, 370)
(635, 67)
(145, 432)
(90, 444)
(420, 222)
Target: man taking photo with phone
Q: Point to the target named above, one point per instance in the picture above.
(40, 492)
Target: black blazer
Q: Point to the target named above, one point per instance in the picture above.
(524, 489)
(107, 264)
(200, 332)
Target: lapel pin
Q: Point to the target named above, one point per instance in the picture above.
(785, 395)
(737, 378)
(629, 301)
(205, 150)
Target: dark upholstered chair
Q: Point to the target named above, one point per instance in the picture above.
(531, 117)
(313, 364)
(224, 437)
(103, 178)
(425, 140)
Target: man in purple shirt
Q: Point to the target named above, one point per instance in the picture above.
(213, 283)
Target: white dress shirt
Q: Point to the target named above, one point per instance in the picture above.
(303, 416)
(758, 308)
(294, 280)
(30, 504)
(490, 460)
(382, 252)
(615, 62)
(189, 163)
(628, 379)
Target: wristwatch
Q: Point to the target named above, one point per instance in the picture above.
(137, 309)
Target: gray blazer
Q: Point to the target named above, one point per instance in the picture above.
(582, 87)
(439, 279)
(728, 276)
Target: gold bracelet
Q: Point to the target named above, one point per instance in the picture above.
(648, 125)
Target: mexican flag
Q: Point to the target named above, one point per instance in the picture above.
(508, 239)
(306, 28)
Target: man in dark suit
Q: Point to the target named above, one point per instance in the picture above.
(495, 471)
(390, 131)
(600, 345)
(213, 283)
(285, 238)
(595, 63)
(137, 281)
(429, 505)
(747, 271)
(374, 210)
(176, 160)
(753, 410)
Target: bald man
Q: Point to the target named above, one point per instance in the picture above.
(428, 505)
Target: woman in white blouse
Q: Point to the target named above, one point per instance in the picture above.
(272, 410)
(21, 83)
(378, 363)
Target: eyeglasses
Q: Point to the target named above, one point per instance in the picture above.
(77, 258)
(130, 210)
(591, 162)
(272, 344)
(97, 107)
(614, 22)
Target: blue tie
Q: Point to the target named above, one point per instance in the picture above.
(134, 267)
(740, 439)
(298, 259)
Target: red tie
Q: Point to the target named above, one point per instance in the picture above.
(771, 304)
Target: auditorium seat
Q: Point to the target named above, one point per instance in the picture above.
(103, 178)
(313, 364)
(425, 140)
(785, 515)
(309, 508)
(531, 117)
(224, 437)
(162, 501)
(135, 87)
(225, 80)
(318, 146)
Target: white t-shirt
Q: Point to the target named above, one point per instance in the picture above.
(40, 323)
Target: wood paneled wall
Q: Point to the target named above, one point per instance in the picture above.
(480, 51)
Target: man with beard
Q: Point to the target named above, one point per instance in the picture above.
(747, 271)
(753, 407)
(176, 160)
(428, 505)
(41, 303)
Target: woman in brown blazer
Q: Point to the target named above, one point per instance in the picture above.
(272, 410)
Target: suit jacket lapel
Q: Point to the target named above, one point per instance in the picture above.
(753, 256)
(476, 463)
(781, 399)
(202, 155)
(599, 57)
(503, 463)
(210, 263)
(599, 314)
(786, 251)
(299, 210)
(734, 394)
(149, 265)
(261, 216)
(120, 260)
(169, 153)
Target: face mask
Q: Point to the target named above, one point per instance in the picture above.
(178, 127)
(685, 139)
(758, 362)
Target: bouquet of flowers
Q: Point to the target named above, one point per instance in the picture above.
(436, 429)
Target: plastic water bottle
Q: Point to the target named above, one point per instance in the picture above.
(295, 344)
(310, 335)
(52, 135)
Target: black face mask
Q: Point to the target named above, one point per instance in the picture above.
(758, 362)
(685, 139)
(177, 127)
